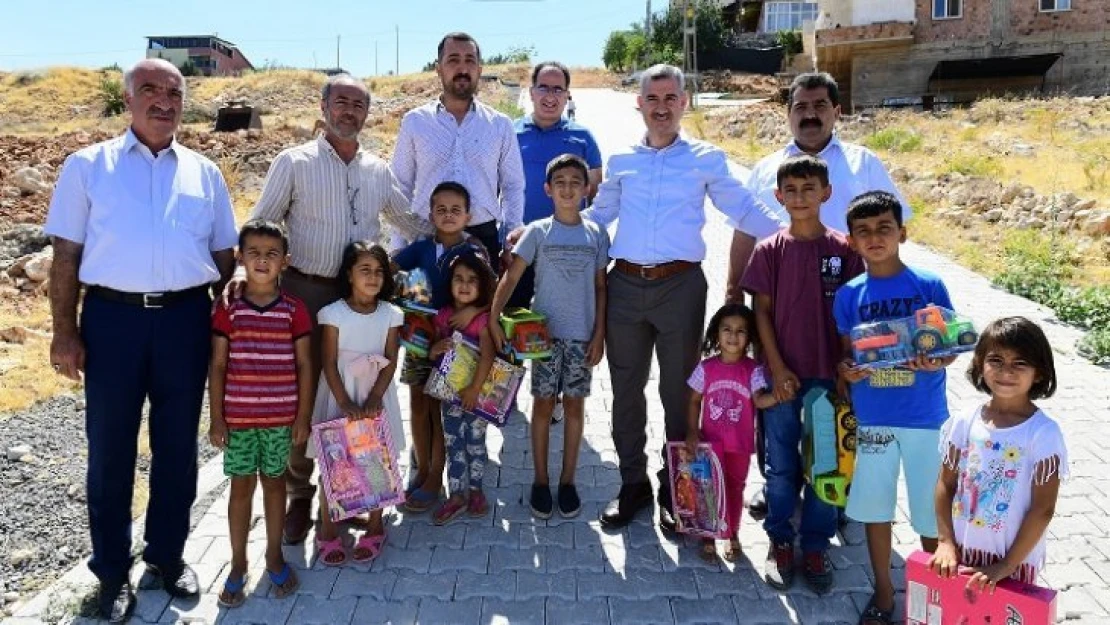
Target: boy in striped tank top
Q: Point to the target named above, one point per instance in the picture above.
(260, 390)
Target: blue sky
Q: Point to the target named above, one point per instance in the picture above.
(39, 33)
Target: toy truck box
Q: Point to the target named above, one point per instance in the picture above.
(829, 446)
(935, 600)
(527, 333)
(934, 331)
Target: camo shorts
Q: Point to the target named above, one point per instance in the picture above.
(415, 369)
(565, 372)
(252, 451)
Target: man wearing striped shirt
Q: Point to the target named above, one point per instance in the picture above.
(327, 193)
(455, 137)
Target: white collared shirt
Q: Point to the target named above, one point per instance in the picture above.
(659, 194)
(481, 153)
(853, 169)
(326, 203)
(148, 223)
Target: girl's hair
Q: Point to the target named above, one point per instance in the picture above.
(487, 280)
(711, 344)
(1028, 340)
(351, 254)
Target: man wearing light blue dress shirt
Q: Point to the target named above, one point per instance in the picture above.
(657, 290)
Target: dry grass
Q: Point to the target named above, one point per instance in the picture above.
(51, 95)
(25, 373)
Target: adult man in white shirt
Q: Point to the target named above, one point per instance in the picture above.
(657, 190)
(145, 224)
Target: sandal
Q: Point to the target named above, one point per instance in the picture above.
(734, 552)
(233, 595)
(371, 544)
(420, 500)
(285, 581)
(328, 549)
(449, 510)
(478, 506)
(708, 550)
(872, 615)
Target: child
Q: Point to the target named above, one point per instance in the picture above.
(1003, 462)
(260, 349)
(727, 388)
(359, 352)
(472, 282)
(794, 275)
(569, 256)
(899, 410)
(450, 213)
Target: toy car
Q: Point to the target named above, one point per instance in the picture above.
(934, 331)
(829, 447)
(527, 333)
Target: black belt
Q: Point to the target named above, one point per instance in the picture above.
(147, 300)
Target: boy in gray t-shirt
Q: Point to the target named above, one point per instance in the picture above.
(569, 256)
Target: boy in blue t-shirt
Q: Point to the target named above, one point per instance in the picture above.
(899, 410)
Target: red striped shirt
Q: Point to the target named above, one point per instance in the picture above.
(260, 389)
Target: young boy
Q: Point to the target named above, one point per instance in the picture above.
(260, 392)
(794, 275)
(569, 256)
(900, 410)
(450, 214)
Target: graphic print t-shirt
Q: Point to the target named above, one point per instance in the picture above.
(727, 407)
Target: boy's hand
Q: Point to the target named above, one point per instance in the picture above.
(786, 384)
(595, 349)
(217, 432)
(497, 333)
(469, 397)
(692, 441)
(945, 562)
(987, 577)
(300, 431)
(233, 290)
(851, 372)
(464, 316)
(923, 362)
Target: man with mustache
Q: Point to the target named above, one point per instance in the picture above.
(456, 137)
(657, 189)
(328, 192)
(145, 225)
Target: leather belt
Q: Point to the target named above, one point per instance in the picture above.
(147, 300)
(659, 271)
(308, 277)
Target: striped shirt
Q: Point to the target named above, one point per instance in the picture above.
(481, 153)
(261, 385)
(326, 203)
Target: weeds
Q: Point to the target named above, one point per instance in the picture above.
(1096, 169)
(894, 140)
(508, 107)
(972, 165)
(111, 95)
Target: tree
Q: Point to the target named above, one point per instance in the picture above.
(666, 28)
(188, 68)
(615, 54)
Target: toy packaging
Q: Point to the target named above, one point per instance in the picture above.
(935, 600)
(527, 333)
(415, 298)
(456, 370)
(934, 331)
(697, 490)
(829, 446)
(358, 466)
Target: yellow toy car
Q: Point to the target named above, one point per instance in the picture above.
(829, 445)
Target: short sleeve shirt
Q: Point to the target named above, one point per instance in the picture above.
(538, 146)
(727, 405)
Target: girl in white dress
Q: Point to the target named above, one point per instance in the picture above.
(359, 352)
(1003, 462)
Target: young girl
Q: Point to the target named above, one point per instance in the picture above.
(1003, 462)
(727, 387)
(359, 353)
(472, 283)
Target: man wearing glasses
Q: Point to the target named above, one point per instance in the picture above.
(328, 192)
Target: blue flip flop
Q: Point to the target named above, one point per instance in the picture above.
(234, 589)
(285, 582)
(420, 500)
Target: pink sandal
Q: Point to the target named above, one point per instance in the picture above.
(326, 549)
(371, 544)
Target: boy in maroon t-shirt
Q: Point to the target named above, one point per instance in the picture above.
(794, 275)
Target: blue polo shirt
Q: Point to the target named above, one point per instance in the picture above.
(538, 146)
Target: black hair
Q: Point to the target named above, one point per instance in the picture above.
(711, 344)
(568, 161)
(1028, 340)
(351, 254)
(487, 280)
(873, 204)
(452, 187)
(546, 64)
(263, 228)
(803, 166)
(457, 36)
(815, 80)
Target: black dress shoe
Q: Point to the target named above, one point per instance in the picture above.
(667, 522)
(116, 602)
(620, 511)
(179, 580)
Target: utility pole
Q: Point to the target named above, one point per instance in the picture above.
(690, 51)
(375, 57)
(647, 34)
(337, 66)
(397, 56)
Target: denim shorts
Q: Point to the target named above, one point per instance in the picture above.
(565, 372)
(880, 451)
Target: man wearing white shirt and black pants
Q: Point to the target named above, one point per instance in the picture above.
(657, 290)
(146, 225)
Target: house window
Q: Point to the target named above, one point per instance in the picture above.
(778, 15)
(1055, 5)
(947, 9)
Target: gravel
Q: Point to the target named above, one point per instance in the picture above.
(43, 518)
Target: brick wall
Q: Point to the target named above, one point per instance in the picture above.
(974, 24)
(1025, 19)
(1085, 16)
(867, 32)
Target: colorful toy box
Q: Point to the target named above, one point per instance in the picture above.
(358, 466)
(829, 446)
(935, 600)
(415, 298)
(527, 333)
(934, 331)
(697, 490)
(455, 371)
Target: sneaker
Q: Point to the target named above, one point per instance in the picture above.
(778, 571)
(569, 503)
(540, 501)
(477, 506)
(448, 510)
(757, 507)
(818, 571)
(557, 414)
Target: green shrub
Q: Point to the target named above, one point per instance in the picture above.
(1096, 346)
(509, 107)
(894, 140)
(972, 165)
(111, 95)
